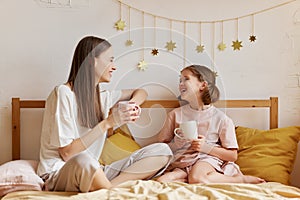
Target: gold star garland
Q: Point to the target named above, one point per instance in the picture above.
(200, 47)
(222, 45)
(252, 37)
(213, 51)
(120, 24)
(170, 46)
(154, 51)
(215, 74)
(129, 42)
(237, 45)
(213, 48)
(142, 65)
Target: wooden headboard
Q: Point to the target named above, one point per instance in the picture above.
(17, 104)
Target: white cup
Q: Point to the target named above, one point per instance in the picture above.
(129, 105)
(189, 130)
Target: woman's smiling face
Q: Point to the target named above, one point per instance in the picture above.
(104, 66)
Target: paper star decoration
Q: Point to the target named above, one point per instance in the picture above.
(252, 38)
(129, 43)
(200, 48)
(222, 46)
(154, 52)
(142, 65)
(170, 46)
(237, 45)
(120, 25)
(215, 73)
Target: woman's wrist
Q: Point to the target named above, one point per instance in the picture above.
(106, 124)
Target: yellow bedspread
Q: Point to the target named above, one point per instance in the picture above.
(155, 190)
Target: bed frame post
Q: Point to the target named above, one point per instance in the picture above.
(274, 112)
(16, 128)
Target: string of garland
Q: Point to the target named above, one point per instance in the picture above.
(200, 48)
(213, 21)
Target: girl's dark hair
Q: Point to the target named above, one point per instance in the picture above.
(82, 79)
(211, 93)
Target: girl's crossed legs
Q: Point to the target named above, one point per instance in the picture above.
(203, 172)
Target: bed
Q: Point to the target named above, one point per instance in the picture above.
(257, 156)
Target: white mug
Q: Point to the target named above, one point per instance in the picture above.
(189, 130)
(129, 104)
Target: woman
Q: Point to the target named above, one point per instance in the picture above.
(210, 158)
(76, 121)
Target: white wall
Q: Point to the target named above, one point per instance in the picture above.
(37, 43)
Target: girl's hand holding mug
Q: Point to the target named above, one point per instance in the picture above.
(200, 145)
(179, 140)
(197, 143)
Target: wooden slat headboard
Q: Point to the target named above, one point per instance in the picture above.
(17, 104)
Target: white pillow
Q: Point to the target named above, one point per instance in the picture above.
(19, 175)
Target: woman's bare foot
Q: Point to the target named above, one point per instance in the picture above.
(167, 177)
(183, 180)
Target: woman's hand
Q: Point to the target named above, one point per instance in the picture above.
(120, 116)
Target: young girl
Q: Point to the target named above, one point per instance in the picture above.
(75, 124)
(210, 158)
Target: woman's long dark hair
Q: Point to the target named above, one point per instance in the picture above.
(82, 79)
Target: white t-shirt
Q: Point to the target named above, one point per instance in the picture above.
(61, 126)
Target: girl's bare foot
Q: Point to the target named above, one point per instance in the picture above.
(252, 179)
(175, 175)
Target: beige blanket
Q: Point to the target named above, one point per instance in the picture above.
(155, 190)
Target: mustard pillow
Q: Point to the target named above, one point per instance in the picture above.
(269, 154)
(118, 146)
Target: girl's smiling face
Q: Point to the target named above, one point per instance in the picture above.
(190, 87)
